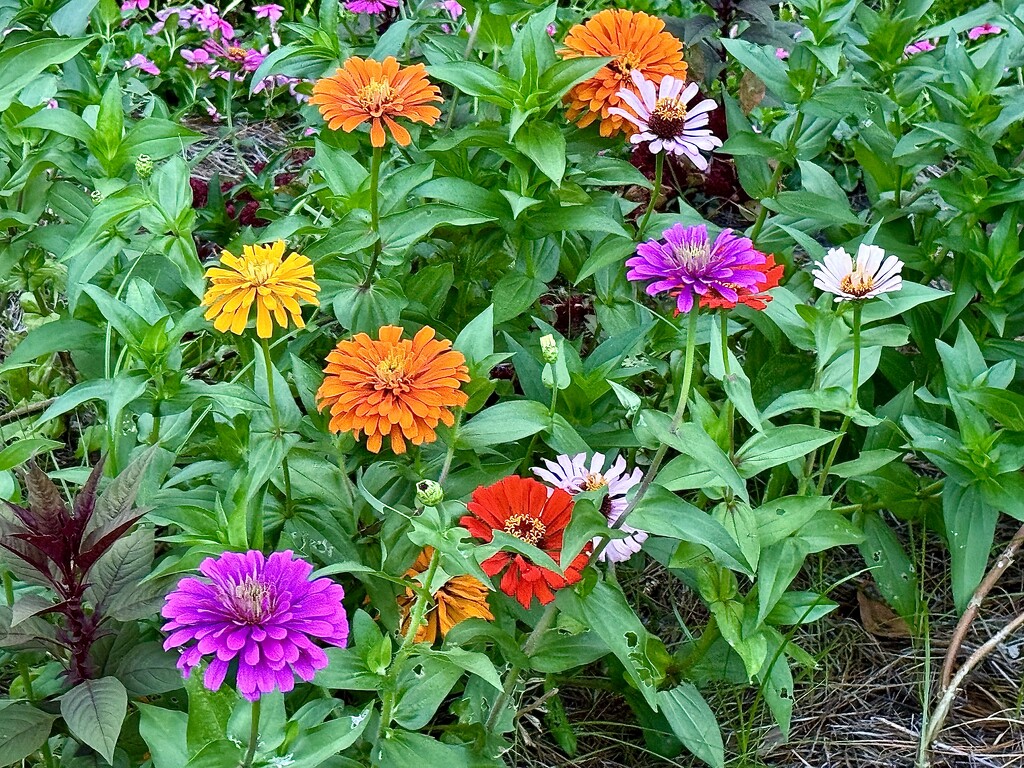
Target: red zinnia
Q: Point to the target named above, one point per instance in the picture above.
(755, 298)
(521, 507)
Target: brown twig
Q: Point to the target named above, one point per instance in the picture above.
(26, 410)
(963, 626)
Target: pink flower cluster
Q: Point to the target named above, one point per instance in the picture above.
(207, 18)
(225, 59)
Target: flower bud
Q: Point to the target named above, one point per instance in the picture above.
(144, 166)
(429, 493)
(549, 349)
(97, 196)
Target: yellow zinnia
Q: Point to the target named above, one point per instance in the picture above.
(261, 275)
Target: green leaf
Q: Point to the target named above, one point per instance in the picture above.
(317, 744)
(163, 730)
(866, 463)
(970, 531)
(219, 753)
(109, 127)
(564, 74)
(544, 144)
(22, 63)
(503, 423)
(94, 711)
(586, 523)
(20, 451)
(23, 729)
(401, 749)
(208, 711)
(777, 445)
(693, 723)
(662, 513)
(762, 61)
(1002, 405)
(891, 567)
(365, 310)
(147, 669)
(475, 79)
(809, 205)
(690, 439)
(779, 565)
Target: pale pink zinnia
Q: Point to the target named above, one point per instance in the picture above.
(921, 46)
(984, 29)
(134, 5)
(871, 275)
(665, 120)
(574, 475)
(781, 53)
(141, 62)
(370, 7)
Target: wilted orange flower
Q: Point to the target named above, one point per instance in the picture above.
(393, 387)
(364, 89)
(639, 42)
(460, 598)
(261, 275)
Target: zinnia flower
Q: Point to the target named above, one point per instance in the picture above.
(688, 265)
(573, 475)
(755, 297)
(781, 53)
(921, 46)
(528, 510)
(144, 64)
(364, 89)
(262, 614)
(664, 121)
(394, 387)
(261, 275)
(458, 599)
(370, 7)
(141, 5)
(638, 42)
(271, 11)
(872, 275)
(985, 29)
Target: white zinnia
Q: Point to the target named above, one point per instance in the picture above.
(573, 475)
(665, 121)
(872, 275)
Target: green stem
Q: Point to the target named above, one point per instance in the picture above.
(780, 168)
(659, 171)
(395, 669)
(700, 648)
(730, 411)
(677, 420)
(276, 419)
(823, 478)
(254, 735)
(513, 674)
(378, 246)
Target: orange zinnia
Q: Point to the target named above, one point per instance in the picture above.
(458, 599)
(393, 387)
(639, 42)
(264, 277)
(756, 297)
(364, 89)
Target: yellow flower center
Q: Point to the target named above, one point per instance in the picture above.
(525, 528)
(376, 96)
(592, 481)
(857, 283)
(236, 53)
(625, 64)
(390, 374)
(668, 118)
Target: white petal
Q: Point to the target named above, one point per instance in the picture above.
(869, 258)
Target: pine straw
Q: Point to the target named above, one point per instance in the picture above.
(861, 707)
(254, 144)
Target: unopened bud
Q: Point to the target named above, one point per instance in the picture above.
(429, 493)
(549, 349)
(97, 196)
(144, 166)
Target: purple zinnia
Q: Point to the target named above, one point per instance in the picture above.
(686, 263)
(262, 613)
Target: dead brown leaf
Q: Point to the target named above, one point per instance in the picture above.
(879, 619)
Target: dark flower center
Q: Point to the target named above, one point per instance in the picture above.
(625, 64)
(252, 601)
(668, 118)
(857, 283)
(525, 528)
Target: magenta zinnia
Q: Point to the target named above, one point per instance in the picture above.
(688, 265)
(262, 614)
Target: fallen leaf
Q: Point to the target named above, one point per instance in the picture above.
(879, 619)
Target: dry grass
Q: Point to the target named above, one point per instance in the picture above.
(860, 708)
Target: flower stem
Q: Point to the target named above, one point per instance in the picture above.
(730, 411)
(378, 246)
(823, 478)
(773, 185)
(276, 418)
(677, 420)
(419, 608)
(659, 171)
(513, 674)
(254, 735)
